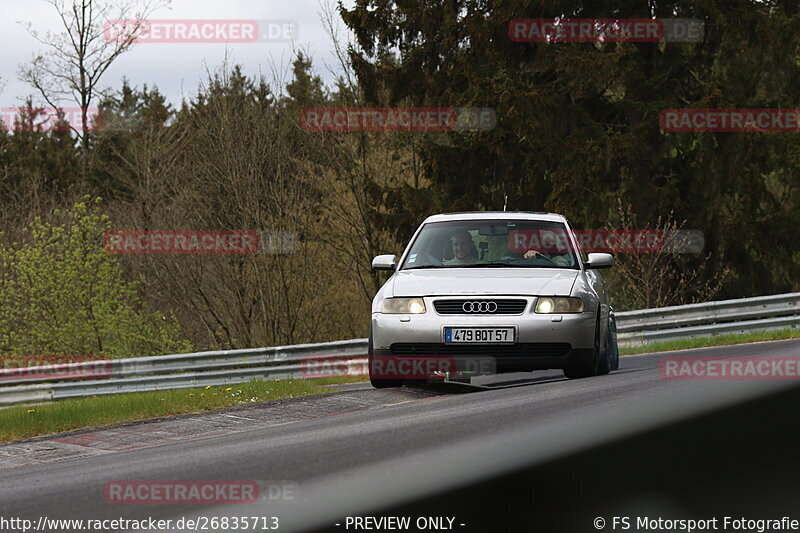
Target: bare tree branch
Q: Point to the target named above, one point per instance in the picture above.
(77, 57)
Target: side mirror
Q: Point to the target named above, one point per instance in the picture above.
(600, 261)
(384, 262)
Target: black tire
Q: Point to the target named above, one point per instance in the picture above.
(586, 369)
(378, 383)
(604, 363)
(613, 355)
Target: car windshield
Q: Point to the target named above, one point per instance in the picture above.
(492, 244)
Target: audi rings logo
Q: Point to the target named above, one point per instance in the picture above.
(479, 307)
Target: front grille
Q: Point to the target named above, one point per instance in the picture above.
(526, 349)
(480, 306)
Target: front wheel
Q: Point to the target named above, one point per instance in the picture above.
(604, 364)
(613, 354)
(596, 365)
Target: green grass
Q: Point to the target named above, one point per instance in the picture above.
(704, 342)
(21, 422)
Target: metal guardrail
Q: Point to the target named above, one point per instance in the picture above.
(741, 315)
(227, 367)
(179, 371)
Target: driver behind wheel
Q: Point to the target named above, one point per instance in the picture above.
(556, 258)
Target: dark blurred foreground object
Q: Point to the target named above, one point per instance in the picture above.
(739, 462)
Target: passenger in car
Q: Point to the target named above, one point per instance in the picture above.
(464, 250)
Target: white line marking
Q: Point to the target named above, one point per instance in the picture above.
(398, 403)
(242, 418)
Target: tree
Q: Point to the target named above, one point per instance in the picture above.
(661, 277)
(133, 135)
(578, 123)
(80, 55)
(37, 164)
(306, 89)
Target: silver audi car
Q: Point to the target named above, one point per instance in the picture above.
(491, 292)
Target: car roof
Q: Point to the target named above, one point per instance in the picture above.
(498, 215)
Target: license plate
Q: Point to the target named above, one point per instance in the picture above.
(482, 335)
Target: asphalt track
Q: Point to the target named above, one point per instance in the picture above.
(362, 451)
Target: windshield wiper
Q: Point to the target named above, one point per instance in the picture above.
(426, 266)
(492, 264)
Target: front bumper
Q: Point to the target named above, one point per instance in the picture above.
(541, 341)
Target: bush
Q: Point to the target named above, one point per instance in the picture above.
(61, 293)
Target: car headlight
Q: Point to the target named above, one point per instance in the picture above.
(403, 306)
(559, 305)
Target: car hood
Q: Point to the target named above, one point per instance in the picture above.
(506, 281)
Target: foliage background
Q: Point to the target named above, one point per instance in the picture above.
(577, 133)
